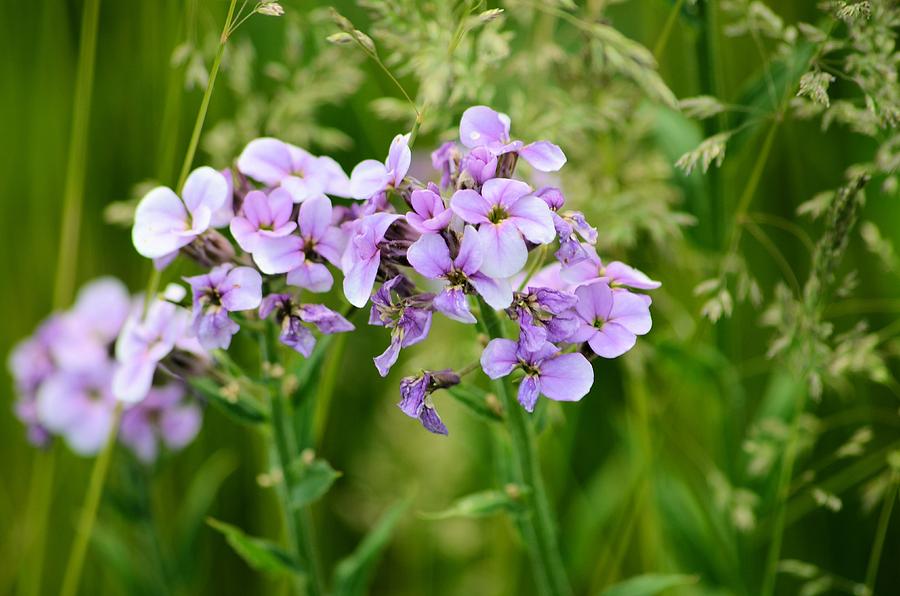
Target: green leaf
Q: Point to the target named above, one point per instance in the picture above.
(315, 480)
(199, 498)
(649, 584)
(242, 408)
(258, 553)
(478, 401)
(483, 504)
(351, 575)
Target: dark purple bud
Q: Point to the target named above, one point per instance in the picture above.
(210, 249)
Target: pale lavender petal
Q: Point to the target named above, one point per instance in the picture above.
(471, 255)
(266, 160)
(278, 255)
(452, 303)
(242, 289)
(332, 245)
(481, 125)
(496, 292)
(314, 277)
(499, 358)
(612, 340)
(622, 274)
(214, 330)
(388, 358)
(103, 304)
(159, 224)
(360, 279)
(529, 391)
(255, 209)
(137, 434)
(315, 217)
(281, 207)
(296, 336)
(368, 178)
(430, 256)
(470, 206)
(533, 218)
(60, 402)
(303, 188)
(505, 192)
(205, 188)
(543, 156)
(326, 320)
(93, 428)
(132, 379)
(506, 249)
(399, 158)
(336, 181)
(567, 377)
(179, 425)
(631, 311)
(594, 301)
(245, 233)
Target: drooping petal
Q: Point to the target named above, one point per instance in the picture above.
(159, 223)
(266, 160)
(326, 320)
(453, 304)
(470, 206)
(534, 219)
(242, 289)
(412, 394)
(205, 187)
(506, 249)
(621, 274)
(499, 358)
(430, 256)
(471, 255)
(367, 178)
(496, 292)
(314, 277)
(612, 340)
(543, 156)
(631, 311)
(567, 377)
(360, 279)
(506, 192)
(278, 255)
(529, 391)
(387, 359)
(431, 421)
(480, 125)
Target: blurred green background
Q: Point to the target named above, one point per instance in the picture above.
(649, 473)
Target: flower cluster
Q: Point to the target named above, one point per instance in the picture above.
(66, 375)
(406, 249)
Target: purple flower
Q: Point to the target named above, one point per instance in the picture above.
(371, 177)
(408, 318)
(618, 274)
(165, 417)
(303, 175)
(163, 223)
(481, 126)
(561, 377)
(301, 257)
(611, 319)
(429, 213)
(430, 256)
(223, 290)
(480, 164)
(222, 216)
(507, 214)
(79, 407)
(415, 399)
(143, 343)
(291, 317)
(362, 257)
(263, 217)
(544, 315)
(446, 160)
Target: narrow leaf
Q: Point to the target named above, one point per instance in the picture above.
(483, 504)
(649, 584)
(258, 553)
(242, 408)
(315, 480)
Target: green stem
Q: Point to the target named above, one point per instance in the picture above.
(298, 522)
(539, 530)
(880, 534)
(66, 261)
(667, 29)
(72, 577)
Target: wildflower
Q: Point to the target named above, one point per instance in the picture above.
(415, 399)
(142, 344)
(430, 256)
(263, 216)
(446, 159)
(616, 273)
(543, 315)
(480, 164)
(408, 318)
(362, 258)
(371, 177)
(301, 256)
(165, 417)
(79, 407)
(303, 175)
(163, 223)
(561, 377)
(481, 126)
(291, 317)
(610, 320)
(507, 214)
(429, 214)
(223, 290)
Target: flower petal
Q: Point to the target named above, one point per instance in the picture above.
(594, 301)
(453, 304)
(505, 192)
(612, 340)
(471, 255)
(159, 223)
(534, 219)
(543, 156)
(529, 391)
(470, 206)
(480, 125)
(496, 292)
(205, 187)
(567, 377)
(499, 358)
(631, 311)
(314, 277)
(368, 178)
(506, 249)
(242, 289)
(266, 160)
(360, 279)
(430, 256)
(278, 255)
(399, 158)
(622, 274)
